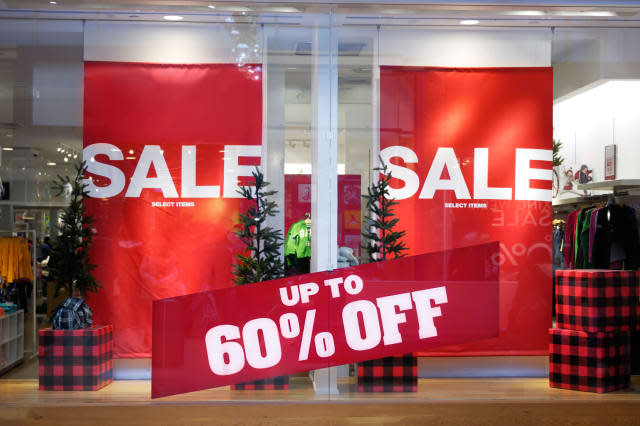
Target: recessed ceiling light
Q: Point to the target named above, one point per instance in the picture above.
(66, 159)
(51, 163)
(594, 13)
(469, 22)
(173, 18)
(53, 2)
(7, 148)
(211, 6)
(525, 13)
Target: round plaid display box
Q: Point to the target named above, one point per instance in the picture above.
(76, 359)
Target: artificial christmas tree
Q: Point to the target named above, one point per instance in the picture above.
(261, 260)
(70, 266)
(74, 355)
(395, 373)
(380, 237)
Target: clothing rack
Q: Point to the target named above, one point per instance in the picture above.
(31, 233)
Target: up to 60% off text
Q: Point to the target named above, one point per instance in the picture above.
(230, 348)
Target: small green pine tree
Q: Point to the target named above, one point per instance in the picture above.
(261, 260)
(557, 158)
(70, 265)
(381, 239)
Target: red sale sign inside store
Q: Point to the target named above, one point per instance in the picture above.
(324, 319)
(470, 153)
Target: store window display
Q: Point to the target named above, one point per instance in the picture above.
(173, 116)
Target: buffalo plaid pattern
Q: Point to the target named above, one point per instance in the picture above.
(390, 374)
(591, 362)
(76, 359)
(274, 383)
(598, 300)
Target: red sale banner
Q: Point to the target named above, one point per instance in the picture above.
(470, 151)
(166, 147)
(323, 319)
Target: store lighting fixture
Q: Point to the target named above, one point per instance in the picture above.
(53, 2)
(66, 159)
(173, 18)
(7, 148)
(130, 151)
(211, 6)
(130, 158)
(525, 13)
(589, 13)
(469, 22)
(59, 149)
(51, 163)
(75, 156)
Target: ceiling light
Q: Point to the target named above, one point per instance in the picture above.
(59, 149)
(173, 18)
(7, 148)
(130, 158)
(51, 163)
(75, 156)
(211, 6)
(594, 13)
(469, 22)
(53, 2)
(525, 13)
(130, 151)
(66, 159)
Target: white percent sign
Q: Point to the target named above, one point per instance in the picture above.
(290, 328)
(509, 254)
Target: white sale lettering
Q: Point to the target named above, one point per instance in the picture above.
(445, 158)
(153, 155)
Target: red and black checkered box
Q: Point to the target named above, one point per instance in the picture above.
(390, 374)
(591, 362)
(598, 300)
(274, 383)
(76, 359)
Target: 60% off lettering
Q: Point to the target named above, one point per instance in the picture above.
(228, 349)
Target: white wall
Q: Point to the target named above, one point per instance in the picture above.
(465, 47)
(582, 56)
(604, 114)
(171, 42)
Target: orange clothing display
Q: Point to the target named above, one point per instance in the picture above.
(15, 260)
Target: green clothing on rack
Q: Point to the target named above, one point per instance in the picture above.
(298, 240)
(584, 241)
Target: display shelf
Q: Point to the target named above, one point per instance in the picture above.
(11, 339)
(615, 185)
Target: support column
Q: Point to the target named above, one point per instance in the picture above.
(273, 124)
(324, 188)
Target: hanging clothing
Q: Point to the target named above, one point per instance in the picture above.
(602, 238)
(569, 235)
(558, 239)
(298, 240)
(15, 260)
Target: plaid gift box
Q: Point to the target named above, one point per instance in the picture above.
(76, 359)
(274, 383)
(598, 300)
(390, 374)
(591, 362)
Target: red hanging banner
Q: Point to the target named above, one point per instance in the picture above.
(470, 151)
(166, 146)
(324, 319)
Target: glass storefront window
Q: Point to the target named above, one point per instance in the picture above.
(172, 109)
